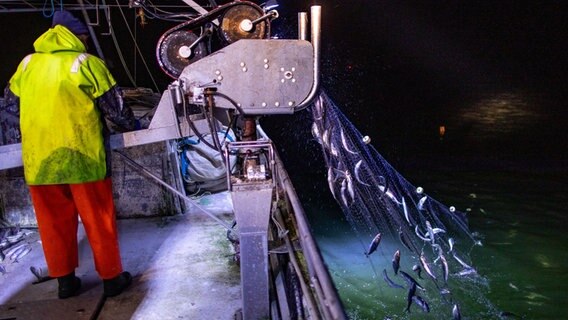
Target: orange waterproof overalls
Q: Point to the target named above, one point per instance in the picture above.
(63, 151)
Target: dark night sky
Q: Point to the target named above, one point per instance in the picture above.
(399, 69)
(444, 41)
(450, 46)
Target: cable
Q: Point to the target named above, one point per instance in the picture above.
(233, 102)
(193, 127)
(229, 127)
(215, 135)
(137, 166)
(138, 50)
(52, 11)
(119, 52)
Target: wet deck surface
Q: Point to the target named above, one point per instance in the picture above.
(182, 268)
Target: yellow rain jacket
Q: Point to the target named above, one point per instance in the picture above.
(62, 129)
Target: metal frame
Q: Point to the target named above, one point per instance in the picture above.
(252, 201)
(167, 125)
(22, 6)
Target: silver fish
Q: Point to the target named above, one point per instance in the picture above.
(13, 249)
(325, 138)
(333, 149)
(319, 110)
(416, 268)
(451, 244)
(16, 237)
(349, 179)
(409, 295)
(345, 144)
(439, 249)
(421, 302)
(426, 266)
(396, 261)
(420, 235)
(467, 272)
(444, 291)
(5, 244)
(41, 274)
(342, 192)
(445, 269)
(391, 283)
(405, 211)
(391, 196)
(438, 230)
(17, 252)
(456, 314)
(331, 181)
(9, 241)
(374, 244)
(356, 171)
(430, 232)
(23, 253)
(465, 265)
(421, 203)
(316, 132)
(410, 280)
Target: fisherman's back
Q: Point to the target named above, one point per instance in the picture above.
(62, 129)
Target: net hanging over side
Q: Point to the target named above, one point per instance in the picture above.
(379, 202)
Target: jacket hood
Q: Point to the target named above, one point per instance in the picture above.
(58, 38)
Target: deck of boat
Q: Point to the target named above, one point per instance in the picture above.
(182, 266)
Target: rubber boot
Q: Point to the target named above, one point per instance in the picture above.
(115, 286)
(69, 286)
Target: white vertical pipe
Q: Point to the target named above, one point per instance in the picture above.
(302, 26)
(316, 44)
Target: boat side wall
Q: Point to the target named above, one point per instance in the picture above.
(134, 194)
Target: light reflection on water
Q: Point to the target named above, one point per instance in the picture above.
(500, 115)
(523, 258)
(509, 110)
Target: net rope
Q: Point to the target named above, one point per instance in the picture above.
(376, 199)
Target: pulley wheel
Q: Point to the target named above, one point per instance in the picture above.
(236, 24)
(174, 53)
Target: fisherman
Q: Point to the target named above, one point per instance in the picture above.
(61, 94)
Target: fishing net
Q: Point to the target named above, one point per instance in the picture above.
(379, 202)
